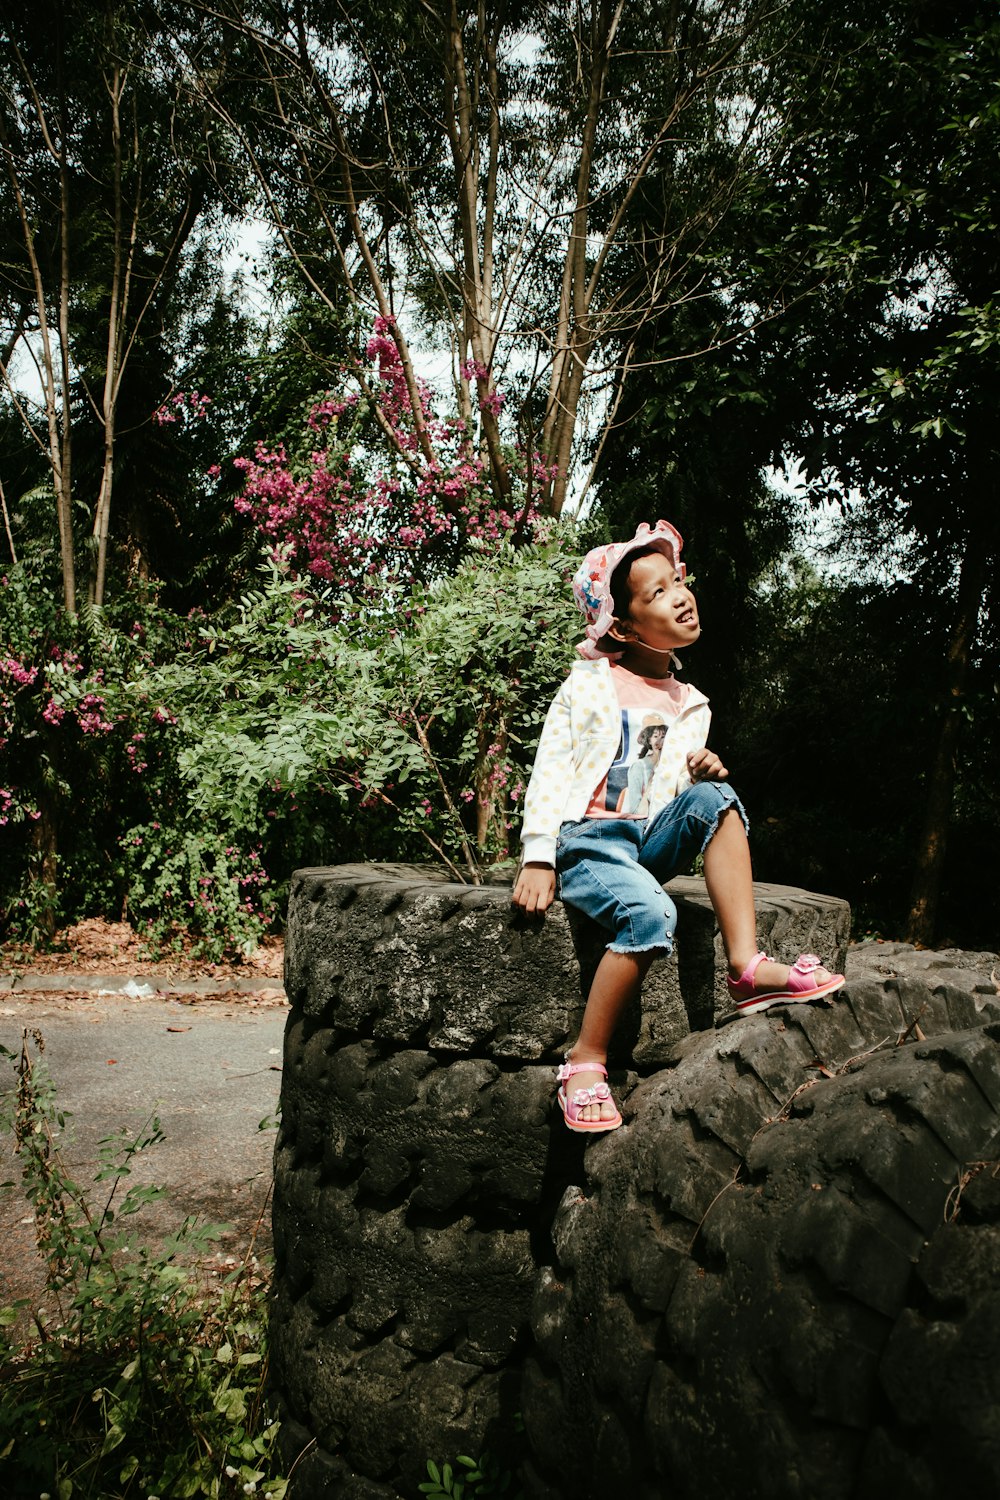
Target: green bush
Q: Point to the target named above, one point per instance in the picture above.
(403, 732)
(176, 771)
(186, 883)
(85, 756)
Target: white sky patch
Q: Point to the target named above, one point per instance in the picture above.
(823, 536)
(246, 257)
(818, 527)
(25, 374)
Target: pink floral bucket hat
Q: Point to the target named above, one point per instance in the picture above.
(592, 581)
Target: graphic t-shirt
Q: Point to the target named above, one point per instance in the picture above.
(649, 705)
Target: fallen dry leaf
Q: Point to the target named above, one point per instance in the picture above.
(96, 946)
(821, 1067)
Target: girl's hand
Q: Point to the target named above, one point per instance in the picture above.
(535, 889)
(705, 765)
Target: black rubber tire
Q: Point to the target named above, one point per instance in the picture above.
(775, 1280)
(779, 1278)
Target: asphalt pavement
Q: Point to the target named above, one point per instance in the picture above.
(208, 1067)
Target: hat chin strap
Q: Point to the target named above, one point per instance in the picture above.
(675, 660)
(658, 649)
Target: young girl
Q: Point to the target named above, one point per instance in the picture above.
(611, 865)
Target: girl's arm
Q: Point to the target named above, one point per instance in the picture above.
(551, 778)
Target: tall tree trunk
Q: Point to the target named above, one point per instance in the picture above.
(102, 513)
(118, 300)
(574, 335)
(44, 866)
(62, 473)
(929, 871)
(492, 799)
(479, 314)
(54, 360)
(6, 524)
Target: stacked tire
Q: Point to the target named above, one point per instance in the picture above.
(779, 1278)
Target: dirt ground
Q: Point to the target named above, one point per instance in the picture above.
(99, 947)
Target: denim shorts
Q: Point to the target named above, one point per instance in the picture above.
(613, 869)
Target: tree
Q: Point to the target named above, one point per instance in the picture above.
(692, 442)
(106, 182)
(908, 392)
(472, 170)
(871, 225)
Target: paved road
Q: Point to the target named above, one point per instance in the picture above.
(211, 1072)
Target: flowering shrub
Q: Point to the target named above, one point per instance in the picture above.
(347, 511)
(378, 697)
(87, 754)
(188, 882)
(176, 771)
(16, 805)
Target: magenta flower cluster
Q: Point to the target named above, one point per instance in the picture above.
(346, 517)
(184, 406)
(45, 693)
(58, 691)
(18, 673)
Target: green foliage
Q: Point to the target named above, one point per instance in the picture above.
(93, 816)
(130, 1384)
(185, 767)
(184, 879)
(427, 707)
(469, 1477)
(858, 332)
(468, 687)
(842, 670)
(113, 190)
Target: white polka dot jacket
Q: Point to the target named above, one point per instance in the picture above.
(580, 741)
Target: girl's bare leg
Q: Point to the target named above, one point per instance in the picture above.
(619, 976)
(617, 980)
(729, 879)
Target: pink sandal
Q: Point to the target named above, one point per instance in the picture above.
(596, 1094)
(801, 985)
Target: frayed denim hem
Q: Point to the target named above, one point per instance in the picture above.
(665, 948)
(714, 828)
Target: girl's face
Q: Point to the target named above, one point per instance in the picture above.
(657, 736)
(662, 610)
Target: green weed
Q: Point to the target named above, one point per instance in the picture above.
(468, 1479)
(131, 1380)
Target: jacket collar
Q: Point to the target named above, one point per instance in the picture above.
(602, 667)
